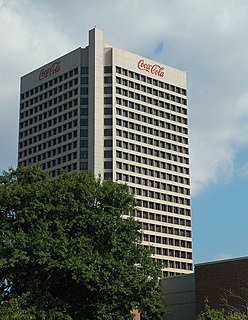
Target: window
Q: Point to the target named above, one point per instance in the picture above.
(152, 238)
(84, 70)
(108, 100)
(84, 133)
(108, 175)
(84, 101)
(158, 239)
(108, 143)
(108, 164)
(108, 154)
(145, 237)
(84, 80)
(108, 132)
(107, 90)
(118, 70)
(107, 79)
(108, 69)
(107, 121)
(83, 122)
(158, 251)
(83, 165)
(107, 111)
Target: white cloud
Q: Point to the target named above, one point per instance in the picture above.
(28, 39)
(207, 39)
(223, 256)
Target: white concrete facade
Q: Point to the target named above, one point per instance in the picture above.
(109, 111)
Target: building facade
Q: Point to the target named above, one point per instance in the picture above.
(111, 112)
(178, 295)
(224, 284)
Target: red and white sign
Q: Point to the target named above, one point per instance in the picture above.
(151, 68)
(55, 67)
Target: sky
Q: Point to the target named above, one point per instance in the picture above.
(206, 38)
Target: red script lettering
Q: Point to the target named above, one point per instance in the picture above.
(55, 67)
(151, 68)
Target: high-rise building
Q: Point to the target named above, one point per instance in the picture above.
(105, 110)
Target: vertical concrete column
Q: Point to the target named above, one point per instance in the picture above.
(96, 102)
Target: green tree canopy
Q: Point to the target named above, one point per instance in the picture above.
(215, 314)
(66, 252)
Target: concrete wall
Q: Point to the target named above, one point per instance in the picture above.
(179, 297)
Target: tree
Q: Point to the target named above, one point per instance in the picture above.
(67, 251)
(13, 309)
(214, 314)
(235, 299)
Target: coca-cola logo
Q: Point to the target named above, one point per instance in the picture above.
(151, 68)
(55, 67)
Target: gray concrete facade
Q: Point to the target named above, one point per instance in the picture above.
(179, 297)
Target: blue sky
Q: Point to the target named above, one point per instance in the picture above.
(206, 38)
(220, 221)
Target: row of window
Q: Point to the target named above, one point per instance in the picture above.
(149, 140)
(152, 151)
(48, 165)
(167, 241)
(148, 129)
(161, 175)
(167, 274)
(52, 93)
(54, 162)
(161, 104)
(167, 230)
(156, 195)
(175, 265)
(53, 101)
(152, 120)
(151, 172)
(53, 111)
(50, 123)
(166, 218)
(52, 142)
(154, 111)
(164, 186)
(54, 151)
(48, 133)
(163, 197)
(149, 80)
(144, 88)
(150, 99)
(172, 253)
(51, 82)
(170, 264)
(155, 173)
(151, 162)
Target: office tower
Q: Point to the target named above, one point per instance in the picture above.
(105, 110)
